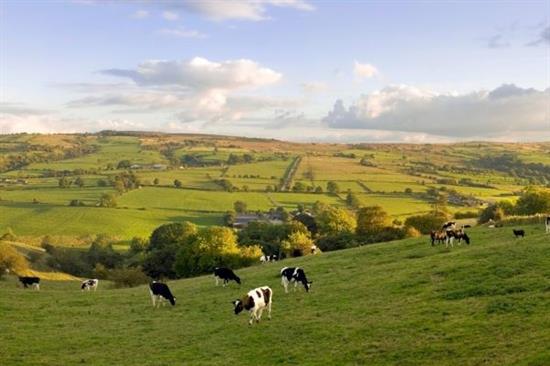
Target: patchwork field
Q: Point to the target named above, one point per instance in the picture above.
(400, 303)
(215, 171)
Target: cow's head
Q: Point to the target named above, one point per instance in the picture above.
(173, 301)
(237, 279)
(238, 304)
(307, 285)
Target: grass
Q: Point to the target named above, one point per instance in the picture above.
(400, 303)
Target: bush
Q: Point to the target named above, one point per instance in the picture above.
(466, 215)
(337, 242)
(76, 203)
(107, 200)
(128, 277)
(11, 260)
(533, 202)
(426, 223)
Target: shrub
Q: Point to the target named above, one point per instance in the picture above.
(337, 242)
(426, 223)
(128, 277)
(11, 260)
(371, 220)
(466, 215)
(76, 203)
(107, 200)
(297, 244)
(240, 206)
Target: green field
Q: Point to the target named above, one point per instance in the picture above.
(400, 303)
(390, 170)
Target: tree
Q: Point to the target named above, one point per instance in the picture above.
(63, 182)
(533, 201)
(426, 223)
(371, 220)
(239, 206)
(352, 200)
(124, 164)
(229, 218)
(177, 183)
(299, 187)
(107, 200)
(156, 181)
(318, 189)
(333, 220)
(297, 244)
(333, 187)
(11, 260)
(79, 182)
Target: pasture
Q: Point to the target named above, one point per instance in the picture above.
(400, 303)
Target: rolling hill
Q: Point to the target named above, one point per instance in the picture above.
(403, 302)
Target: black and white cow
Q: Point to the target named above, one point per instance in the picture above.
(268, 258)
(519, 232)
(225, 274)
(547, 224)
(159, 292)
(255, 302)
(89, 284)
(294, 274)
(30, 281)
(450, 225)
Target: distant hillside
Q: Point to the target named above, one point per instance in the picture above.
(52, 184)
(400, 303)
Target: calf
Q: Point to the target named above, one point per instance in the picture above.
(255, 302)
(518, 233)
(294, 274)
(159, 291)
(225, 274)
(30, 281)
(89, 284)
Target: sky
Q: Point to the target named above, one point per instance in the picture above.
(299, 70)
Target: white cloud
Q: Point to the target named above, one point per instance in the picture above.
(170, 15)
(181, 33)
(363, 71)
(254, 10)
(507, 110)
(200, 74)
(140, 14)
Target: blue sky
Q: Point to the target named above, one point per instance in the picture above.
(290, 69)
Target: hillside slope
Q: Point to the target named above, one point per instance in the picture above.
(402, 303)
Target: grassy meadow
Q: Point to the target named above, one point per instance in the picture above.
(403, 302)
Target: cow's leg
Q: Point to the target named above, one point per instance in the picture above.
(217, 280)
(252, 317)
(284, 282)
(269, 310)
(225, 282)
(295, 285)
(260, 312)
(37, 286)
(152, 297)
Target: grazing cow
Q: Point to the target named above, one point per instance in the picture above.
(294, 274)
(438, 237)
(268, 258)
(159, 291)
(89, 284)
(461, 235)
(547, 224)
(225, 274)
(30, 281)
(255, 302)
(518, 233)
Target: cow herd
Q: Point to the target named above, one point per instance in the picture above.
(449, 233)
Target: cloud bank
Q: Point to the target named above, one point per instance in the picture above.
(507, 109)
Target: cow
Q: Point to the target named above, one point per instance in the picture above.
(225, 274)
(294, 274)
(268, 258)
(461, 235)
(448, 225)
(89, 284)
(159, 292)
(30, 281)
(255, 302)
(438, 237)
(547, 224)
(518, 233)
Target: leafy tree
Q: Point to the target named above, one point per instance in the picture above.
(79, 182)
(427, 222)
(101, 183)
(229, 218)
(177, 183)
(318, 189)
(11, 260)
(352, 200)
(156, 181)
(533, 201)
(124, 164)
(107, 200)
(64, 182)
(239, 206)
(299, 187)
(371, 220)
(333, 187)
(333, 220)
(297, 244)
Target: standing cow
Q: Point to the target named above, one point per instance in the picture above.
(30, 281)
(89, 284)
(294, 274)
(159, 292)
(256, 301)
(225, 274)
